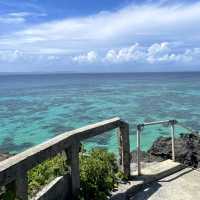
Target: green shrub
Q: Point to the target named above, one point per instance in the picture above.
(97, 174)
(45, 173)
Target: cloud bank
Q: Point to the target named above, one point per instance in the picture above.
(156, 53)
(134, 34)
(89, 57)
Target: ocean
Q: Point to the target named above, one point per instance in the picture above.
(37, 107)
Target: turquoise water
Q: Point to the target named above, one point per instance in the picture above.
(34, 108)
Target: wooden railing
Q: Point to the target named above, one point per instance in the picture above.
(13, 171)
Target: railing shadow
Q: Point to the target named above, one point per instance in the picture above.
(150, 187)
(147, 191)
(178, 176)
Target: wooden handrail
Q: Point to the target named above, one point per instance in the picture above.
(13, 171)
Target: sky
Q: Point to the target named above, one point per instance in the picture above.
(99, 36)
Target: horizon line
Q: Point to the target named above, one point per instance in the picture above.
(74, 72)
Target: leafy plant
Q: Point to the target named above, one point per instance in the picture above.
(97, 174)
(45, 173)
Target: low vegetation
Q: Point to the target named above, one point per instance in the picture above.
(45, 173)
(99, 174)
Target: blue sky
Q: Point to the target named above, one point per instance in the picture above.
(99, 36)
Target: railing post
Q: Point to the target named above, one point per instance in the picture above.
(18, 189)
(139, 130)
(124, 147)
(173, 122)
(73, 160)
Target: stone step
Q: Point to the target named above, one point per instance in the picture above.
(178, 186)
(152, 172)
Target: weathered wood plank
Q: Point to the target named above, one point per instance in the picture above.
(124, 148)
(33, 156)
(59, 188)
(18, 188)
(21, 184)
(73, 160)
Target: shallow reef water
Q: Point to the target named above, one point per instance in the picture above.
(34, 108)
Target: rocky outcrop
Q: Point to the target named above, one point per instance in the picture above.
(145, 157)
(187, 150)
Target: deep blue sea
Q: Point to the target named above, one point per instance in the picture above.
(35, 108)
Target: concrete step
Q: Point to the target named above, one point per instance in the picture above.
(181, 185)
(152, 172)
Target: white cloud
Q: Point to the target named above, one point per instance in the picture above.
(157, 51)
(162, 52)
(52, 58)
(132, 53)
(10, 19)
(128, 25)
(89, 57)
(110, 34)
(18, 17)
(10, 56)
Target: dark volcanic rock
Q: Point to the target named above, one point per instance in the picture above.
(145, 157)
(187, 149)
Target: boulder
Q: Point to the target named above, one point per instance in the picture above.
(187, 149)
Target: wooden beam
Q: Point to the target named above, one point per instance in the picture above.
(35, 155)
(73, 161)
(18, 189)
(124, 148)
